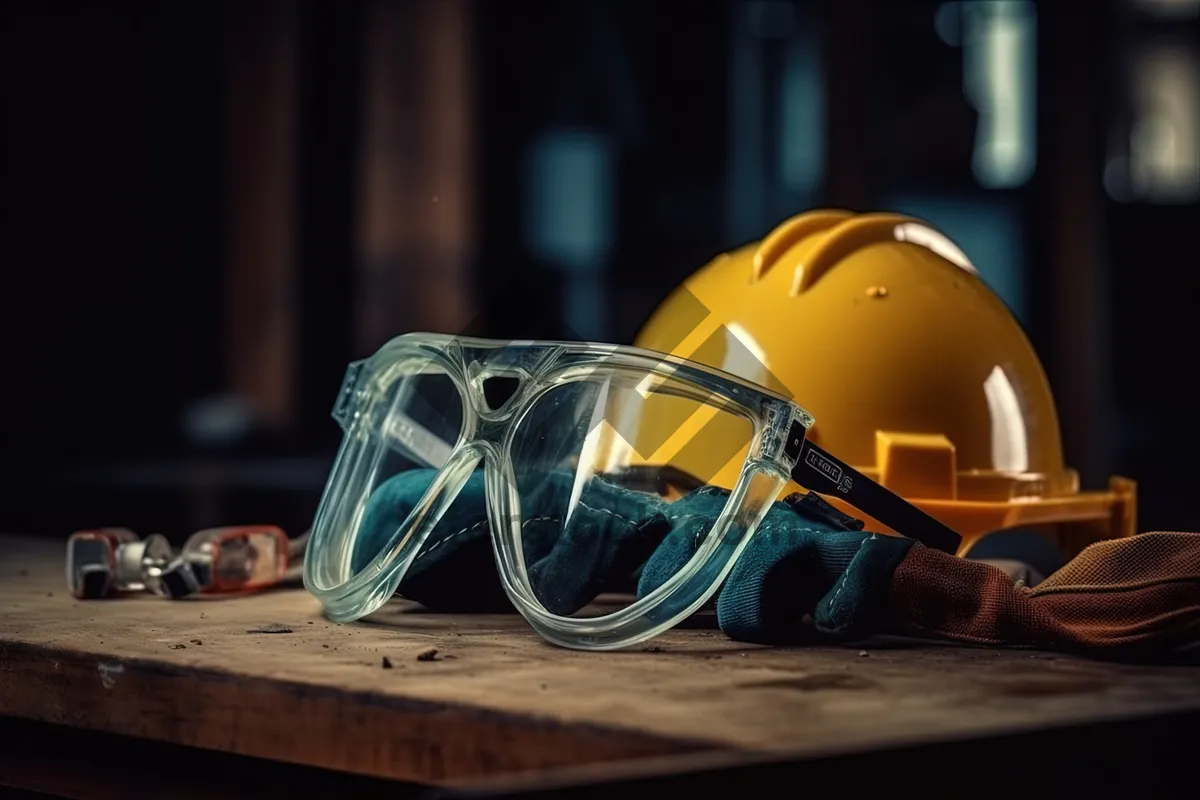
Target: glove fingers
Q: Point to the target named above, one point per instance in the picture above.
(632, 552)
(777, 581)
(608, 537)
(455, 570)
(673, 551)
(859, 597)
(689, 519)
(387, 508)
(465, 581)
(597, 551)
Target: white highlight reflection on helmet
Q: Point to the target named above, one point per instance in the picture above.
(936, 241)
(1010, 441)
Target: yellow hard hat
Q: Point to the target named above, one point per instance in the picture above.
(916, 373)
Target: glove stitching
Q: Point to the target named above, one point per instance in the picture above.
(833, 604)
(624, 519)
(473, 527)
(483, 522)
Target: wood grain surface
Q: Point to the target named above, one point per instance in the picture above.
(496, 702)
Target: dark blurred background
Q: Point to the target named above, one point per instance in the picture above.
(210, 208)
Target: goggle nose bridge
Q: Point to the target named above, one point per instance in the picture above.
(496, 390)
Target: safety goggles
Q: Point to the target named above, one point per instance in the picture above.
(556, 439)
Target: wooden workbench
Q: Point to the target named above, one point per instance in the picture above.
(267, 676)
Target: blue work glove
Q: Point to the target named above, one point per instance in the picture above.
(806, 559)
(612, 532)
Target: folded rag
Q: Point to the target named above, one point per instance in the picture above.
(1137, 596)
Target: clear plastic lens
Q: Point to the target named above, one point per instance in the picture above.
(424, 420)
(599, 465)
(391, 455)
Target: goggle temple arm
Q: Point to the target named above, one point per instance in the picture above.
(820, 472)
(417, 441)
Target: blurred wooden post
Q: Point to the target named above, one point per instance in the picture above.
(261, 90)
(846, 52)
(1073, 63)
(416, 227)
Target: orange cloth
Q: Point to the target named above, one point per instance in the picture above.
(1141, 592)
